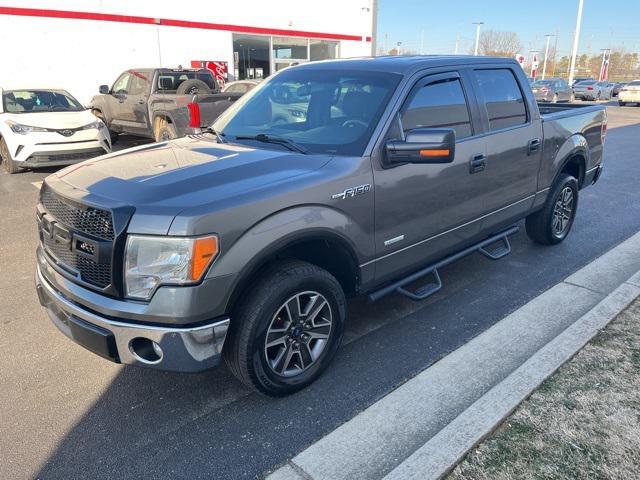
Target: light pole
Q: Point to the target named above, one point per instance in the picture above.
(398, 48)
(477, 24)
(546, 54)
(576, 40)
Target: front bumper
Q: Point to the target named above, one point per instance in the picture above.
(178, 349)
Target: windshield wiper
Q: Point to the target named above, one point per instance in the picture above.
(220, 136)
(285, 142)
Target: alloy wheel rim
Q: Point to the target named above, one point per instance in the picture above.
(563, 211)
(298, 333)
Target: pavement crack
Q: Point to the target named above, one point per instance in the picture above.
(299, 470)
(586, 288)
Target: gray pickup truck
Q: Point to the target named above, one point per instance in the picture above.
(242, 243)
(161, 103)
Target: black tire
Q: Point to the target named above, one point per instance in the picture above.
(541, 226)
(164, 131)
(246, 351)
(9, 165)
(622, 104)
(193, 87)
(100, 115)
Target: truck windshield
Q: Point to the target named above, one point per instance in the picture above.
(323, 111)
(34, 101)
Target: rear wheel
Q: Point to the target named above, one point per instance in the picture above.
(552, 223)
(10, 166)
(287, 330)
(164, 131)
(622, 104)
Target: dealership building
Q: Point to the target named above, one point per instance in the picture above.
(80, 44)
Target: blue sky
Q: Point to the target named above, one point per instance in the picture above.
(605, 24)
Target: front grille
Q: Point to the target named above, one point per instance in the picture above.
(83, 220)
(98, 274)
(88, 220)
(65, 157)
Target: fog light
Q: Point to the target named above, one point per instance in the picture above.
(145, 350)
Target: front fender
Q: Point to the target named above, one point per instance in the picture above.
(309, 222)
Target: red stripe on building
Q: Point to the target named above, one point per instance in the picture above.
(107, 17)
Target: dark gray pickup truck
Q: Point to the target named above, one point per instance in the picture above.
(161, 103)
(242, 243)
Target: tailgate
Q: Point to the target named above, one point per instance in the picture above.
(213, 104)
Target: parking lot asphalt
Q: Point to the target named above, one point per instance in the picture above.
(66, 413)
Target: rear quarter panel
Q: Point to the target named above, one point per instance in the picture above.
(567, 132)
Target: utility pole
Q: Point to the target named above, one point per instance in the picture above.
(477, 24)
(384, 44)
(576, 40)
(457, 44)
(374, 27)
(546, 54)
(398, 48)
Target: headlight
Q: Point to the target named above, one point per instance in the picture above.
(23, 129)
(95, 125)
(154, 261)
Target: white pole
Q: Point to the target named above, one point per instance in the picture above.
(576, 40)
(546, 54)
(457, 43)
(477, 24)
(422, 42)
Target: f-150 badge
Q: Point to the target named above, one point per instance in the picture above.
(352, 192)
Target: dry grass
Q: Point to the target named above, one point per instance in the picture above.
(582, 423)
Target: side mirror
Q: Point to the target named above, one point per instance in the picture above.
(104, 89)
(423, 145)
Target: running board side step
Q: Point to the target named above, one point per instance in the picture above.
(430, 288)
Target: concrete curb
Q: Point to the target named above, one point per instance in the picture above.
(425, 426)
(440, 454)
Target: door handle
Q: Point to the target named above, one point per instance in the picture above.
(477, 163)
(533, 146)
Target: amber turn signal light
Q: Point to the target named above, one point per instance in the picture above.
(205, 250)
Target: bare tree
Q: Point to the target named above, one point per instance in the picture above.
(499, 44)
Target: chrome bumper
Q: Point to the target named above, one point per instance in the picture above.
(173, 349)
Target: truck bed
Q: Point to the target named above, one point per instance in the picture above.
(554, 111)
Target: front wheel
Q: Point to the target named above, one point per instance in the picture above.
(552, 223)
(288, 328)
(622, 104)
(10, 165)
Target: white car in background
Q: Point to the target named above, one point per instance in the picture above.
(45, 127)
(630, 93)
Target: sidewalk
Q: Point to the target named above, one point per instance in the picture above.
(424, 427)
(583, 422)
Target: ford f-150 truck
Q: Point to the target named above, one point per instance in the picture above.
(161, 103)
(242, 243)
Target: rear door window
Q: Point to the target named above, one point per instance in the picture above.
(502, 98)
(440, 104)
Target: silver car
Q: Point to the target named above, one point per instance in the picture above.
(592, 90)
(552, 90)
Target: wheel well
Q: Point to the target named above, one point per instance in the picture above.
(575, 166)
(329, 254)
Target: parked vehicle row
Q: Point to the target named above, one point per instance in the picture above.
(552, 90)
(592, 90)
(242, 243)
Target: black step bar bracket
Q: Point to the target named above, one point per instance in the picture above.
(433, 287)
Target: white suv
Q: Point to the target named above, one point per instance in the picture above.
(44, 127)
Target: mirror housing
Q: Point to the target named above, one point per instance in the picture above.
(104, 89)
(423, 145)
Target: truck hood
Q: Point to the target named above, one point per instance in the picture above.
(185, 173)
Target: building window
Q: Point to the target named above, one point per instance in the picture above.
(322, 50)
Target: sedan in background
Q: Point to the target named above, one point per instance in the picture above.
(581, 79)
(592, 90)
(552, 90)
(44, 127)
(240, 86)
(616, 88)
(630, 93)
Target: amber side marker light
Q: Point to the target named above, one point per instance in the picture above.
(434, 153)
(204, 251)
